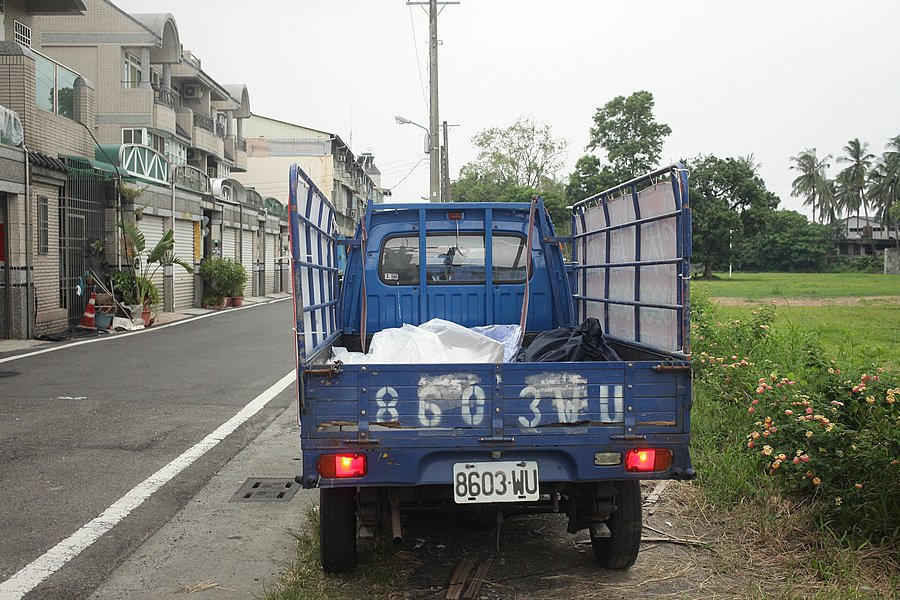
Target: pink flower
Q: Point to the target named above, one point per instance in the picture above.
(804, 458)
(755, 401)
(788, 412)
(751, 410)
(809, 411)
(797, 461)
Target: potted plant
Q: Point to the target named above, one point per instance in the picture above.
(139, 293)
(215, 275)
(237, 277)
(145, 293)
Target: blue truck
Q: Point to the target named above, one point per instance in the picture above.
(507, 438)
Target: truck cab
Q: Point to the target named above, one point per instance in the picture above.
(501, 437)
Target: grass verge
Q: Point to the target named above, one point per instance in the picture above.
(375, 577)
(758, 286)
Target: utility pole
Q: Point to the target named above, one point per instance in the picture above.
(434, 122)
(445, 168)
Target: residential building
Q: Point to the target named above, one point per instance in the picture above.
(120, 124)
(348, 181)
(860, 234)
(48, 109)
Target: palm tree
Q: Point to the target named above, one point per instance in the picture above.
(812, 183)
(884, 185)
(854, 177)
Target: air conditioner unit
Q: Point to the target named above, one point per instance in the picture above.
(192, 91)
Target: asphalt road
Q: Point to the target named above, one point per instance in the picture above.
(84, 425)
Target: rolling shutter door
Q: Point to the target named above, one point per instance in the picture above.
(184, 249)
(247, 259)
(228, 242)
(270, 264)
(153, 229)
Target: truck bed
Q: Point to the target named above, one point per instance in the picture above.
(436, 415)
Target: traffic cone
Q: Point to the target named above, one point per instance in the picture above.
(87, 319)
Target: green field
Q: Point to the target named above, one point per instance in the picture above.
(759, 286)
(864, 332)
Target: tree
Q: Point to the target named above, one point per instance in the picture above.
(523, 154)
(729, 202)
(473, 187)
(713, 218)
(627, 130)
(884, 186)
(852, 180)
(514, 164)
(590, 177)
(812, 183)
(789, 243)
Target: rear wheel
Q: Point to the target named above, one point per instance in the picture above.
(620, 549)
(337, 529)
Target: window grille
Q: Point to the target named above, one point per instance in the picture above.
(23, 34)
(43, 225)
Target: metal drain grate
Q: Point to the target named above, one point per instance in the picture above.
(266, 489)
(9, 373)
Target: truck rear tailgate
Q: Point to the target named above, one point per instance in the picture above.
(434, 415)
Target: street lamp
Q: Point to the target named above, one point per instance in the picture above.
(432, 149)
(405, 121)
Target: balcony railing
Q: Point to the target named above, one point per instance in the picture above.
(192, 178)
(204, 122)
(54, 88)
(164, 96)
(240, 144)
(220, 130)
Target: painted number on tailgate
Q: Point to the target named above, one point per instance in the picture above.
(568, 393)
(438, 390)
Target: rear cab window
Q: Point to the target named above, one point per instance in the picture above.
(452, 258)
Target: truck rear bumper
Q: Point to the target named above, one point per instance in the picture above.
(414, 466)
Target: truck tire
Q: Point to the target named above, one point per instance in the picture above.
(620, 550)
(337, 529)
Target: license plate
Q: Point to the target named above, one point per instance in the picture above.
(506, 481)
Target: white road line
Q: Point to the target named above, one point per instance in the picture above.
(119, 336)
(51, 561)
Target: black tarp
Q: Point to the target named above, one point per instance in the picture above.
(582, 344)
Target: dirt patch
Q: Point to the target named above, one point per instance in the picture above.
(841, 301)
(534, 557)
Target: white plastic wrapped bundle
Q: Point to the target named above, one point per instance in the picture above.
(436, 341)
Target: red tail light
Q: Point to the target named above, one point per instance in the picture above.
(638, 460)
(337, 466)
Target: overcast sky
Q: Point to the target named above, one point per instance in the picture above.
(768, 77)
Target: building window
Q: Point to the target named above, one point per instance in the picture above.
(224, 171)
(132, 70)
(147, 138)
(177, 153)
(54, 87)
(23, 34)
(133, 136)
(43, 218)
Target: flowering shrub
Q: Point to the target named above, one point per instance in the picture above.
(837, 439)
(820, 430)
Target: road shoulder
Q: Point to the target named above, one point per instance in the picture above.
(216, 548)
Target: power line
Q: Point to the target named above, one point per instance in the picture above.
(418, 65)
(410, 172)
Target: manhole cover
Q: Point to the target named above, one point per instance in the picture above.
(266, 489)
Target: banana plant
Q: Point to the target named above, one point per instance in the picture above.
(161, 255)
